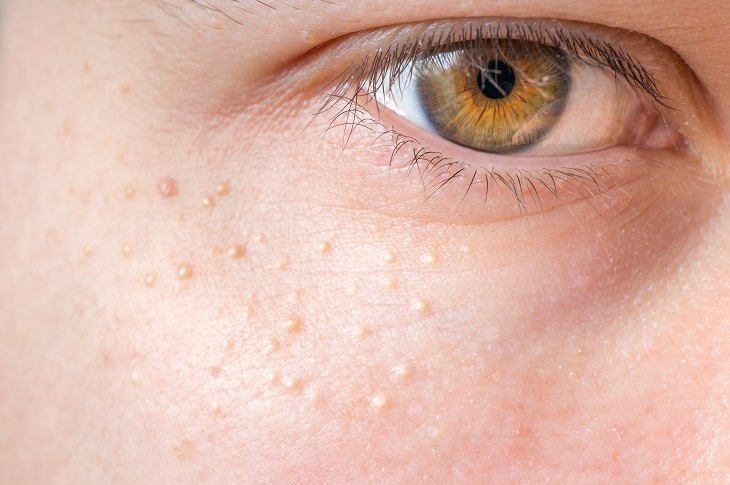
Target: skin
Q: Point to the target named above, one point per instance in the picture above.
(198, 286)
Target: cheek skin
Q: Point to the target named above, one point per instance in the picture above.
(336, 333)
(368, 347)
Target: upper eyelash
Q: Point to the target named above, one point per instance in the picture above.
(383, 68)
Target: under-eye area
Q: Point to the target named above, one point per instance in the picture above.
(485, 120)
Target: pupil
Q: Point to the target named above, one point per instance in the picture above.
(497, 80)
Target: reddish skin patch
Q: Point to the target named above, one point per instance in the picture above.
(167, 187)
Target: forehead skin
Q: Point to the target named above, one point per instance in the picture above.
(185, 298)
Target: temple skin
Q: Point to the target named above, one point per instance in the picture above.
(199, 285)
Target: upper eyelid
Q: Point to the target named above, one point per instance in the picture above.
(591, 49)
(643, 57)
(333, 77)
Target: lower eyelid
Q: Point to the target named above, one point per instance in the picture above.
(371, 114)
(420, 190)
(402, 176)
(399, 176)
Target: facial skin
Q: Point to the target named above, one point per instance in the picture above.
(201, 284)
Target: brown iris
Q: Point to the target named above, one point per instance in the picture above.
(498, 96)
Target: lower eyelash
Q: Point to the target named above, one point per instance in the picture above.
(435, 171)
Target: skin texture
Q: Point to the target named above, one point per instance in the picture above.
(199, 285)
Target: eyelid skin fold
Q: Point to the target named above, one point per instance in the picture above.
(481, 187)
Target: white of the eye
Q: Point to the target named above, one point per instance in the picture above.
(401, 97)
(601, 111)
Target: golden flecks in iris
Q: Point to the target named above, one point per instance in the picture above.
(380, 402)
(421, 306)
(429, 259)
(222, 189)
(292, 325)
(389, 257)
(125, 88)
(208, 202)
(324, 247)
(401, 373)
(184, 271)
(126, 250)
(150, 279)
(167, 187)
(236, 251)
(273, 345)
(292, 384)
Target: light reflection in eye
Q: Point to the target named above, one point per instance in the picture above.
(510, 95)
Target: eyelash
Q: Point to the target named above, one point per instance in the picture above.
(385, 68)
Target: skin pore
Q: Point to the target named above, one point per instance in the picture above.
(204, 282)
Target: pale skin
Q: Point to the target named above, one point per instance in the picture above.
(198, 286)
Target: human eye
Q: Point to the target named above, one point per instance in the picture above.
(500, 118)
